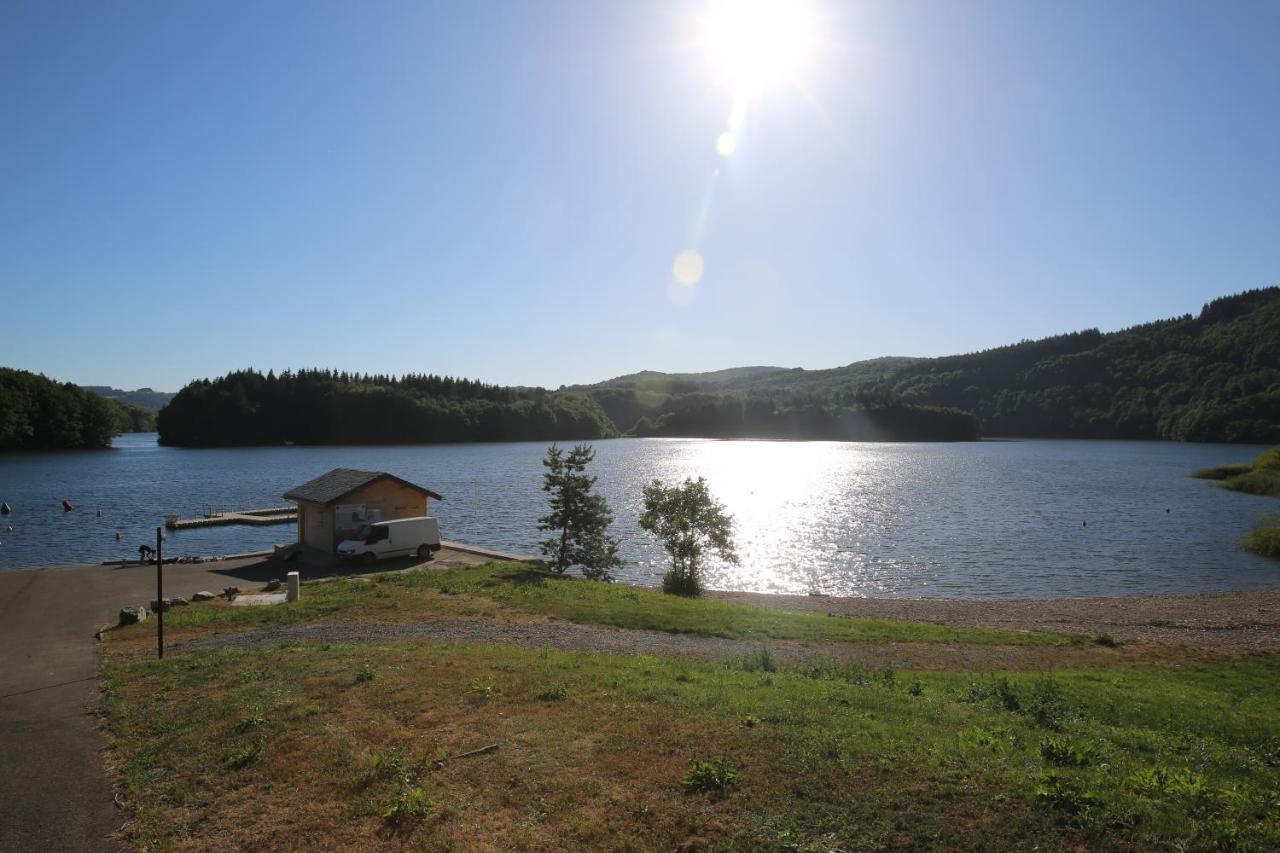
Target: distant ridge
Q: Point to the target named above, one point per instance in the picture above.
(143, 398)
(1214, 376)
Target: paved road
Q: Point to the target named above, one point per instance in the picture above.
(54, 795)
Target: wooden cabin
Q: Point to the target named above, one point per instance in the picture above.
(334, 506)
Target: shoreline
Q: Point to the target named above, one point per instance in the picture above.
(1241, 621)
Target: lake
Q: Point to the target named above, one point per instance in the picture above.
(982, 519)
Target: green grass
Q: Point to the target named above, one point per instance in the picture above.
(533, 590)
(647, 752)
(529, 589)
(1259, 477)
(1264, 539)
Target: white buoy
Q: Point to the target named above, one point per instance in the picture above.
(294, 587)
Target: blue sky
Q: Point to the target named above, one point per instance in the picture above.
(499, 190)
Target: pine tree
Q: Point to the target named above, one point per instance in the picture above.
(580, 518)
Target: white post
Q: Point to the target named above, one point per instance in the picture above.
(292, 594)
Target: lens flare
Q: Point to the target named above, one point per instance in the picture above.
(726, 144)
(688, 267)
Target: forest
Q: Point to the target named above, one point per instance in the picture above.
(332, 407)
(37, 413)
(1214, 376)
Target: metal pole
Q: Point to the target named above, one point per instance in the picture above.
(159, 593)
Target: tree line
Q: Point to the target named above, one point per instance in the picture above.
(38, 413)
(328, 407)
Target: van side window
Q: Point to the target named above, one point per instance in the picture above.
(380, 533)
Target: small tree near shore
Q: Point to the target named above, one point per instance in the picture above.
(581, 519)
(689, 522)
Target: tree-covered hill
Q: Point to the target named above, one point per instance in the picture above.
(329, 407)
(1214, 376)
(37, 413)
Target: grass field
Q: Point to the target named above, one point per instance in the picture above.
(352, 747)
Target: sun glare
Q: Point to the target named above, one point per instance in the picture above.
(758, 42)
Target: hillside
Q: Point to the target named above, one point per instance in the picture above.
(143, 398)
(1214, 376)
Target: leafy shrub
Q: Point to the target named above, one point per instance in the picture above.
(1105, 639)
(681, 583)
(715, 776)
(365, 674)
(1264, 539)
(915, 688)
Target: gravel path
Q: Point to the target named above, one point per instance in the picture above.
(1230, 621)
(568, 636)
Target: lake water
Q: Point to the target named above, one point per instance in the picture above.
(983, 519)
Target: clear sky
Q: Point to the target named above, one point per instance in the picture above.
(501, 190)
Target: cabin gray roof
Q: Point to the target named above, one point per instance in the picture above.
(340, 482)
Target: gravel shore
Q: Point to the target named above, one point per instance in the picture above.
(1228, 621)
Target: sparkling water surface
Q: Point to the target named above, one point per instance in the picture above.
(985, 519)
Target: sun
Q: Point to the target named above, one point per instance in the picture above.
(755, 43)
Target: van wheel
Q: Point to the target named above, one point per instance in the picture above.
(424, 552)
(370, 557)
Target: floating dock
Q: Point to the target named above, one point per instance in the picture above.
(216, 518)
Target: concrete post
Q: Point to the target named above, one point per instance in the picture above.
(293, 588)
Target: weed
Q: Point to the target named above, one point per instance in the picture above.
(750, 721)
(1066, 753)
(388, 766)
(552, 693)
(252, 721)
(365, 674)
(1005, 696)
(1162, 782)
(1064, 793)
(761, 660)
(888, 677)
(409, 805)
(251, 752)
(715, 776)
(1105, 639)
(1048, 704)
(484, 689)
(915, 688)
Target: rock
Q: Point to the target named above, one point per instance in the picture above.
(272, 585)
(203, 595)
(177, 601)
(133, 615)
(157, 605)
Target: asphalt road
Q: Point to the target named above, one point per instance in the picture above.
(54, 793)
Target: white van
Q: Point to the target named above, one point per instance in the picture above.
(399, 538)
